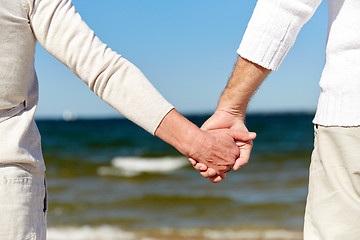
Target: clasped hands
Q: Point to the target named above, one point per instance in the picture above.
(227, 144)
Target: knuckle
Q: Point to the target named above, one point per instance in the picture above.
(230, 161)
(223, 168)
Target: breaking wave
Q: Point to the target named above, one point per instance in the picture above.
(115, 233)
(133, 166)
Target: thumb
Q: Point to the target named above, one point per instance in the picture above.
(242, 136)
(207, 124)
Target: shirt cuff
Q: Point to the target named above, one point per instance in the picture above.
(265, 49)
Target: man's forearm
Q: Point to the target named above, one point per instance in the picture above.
(245, 80)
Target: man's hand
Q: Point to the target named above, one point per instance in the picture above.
(230, 112)
(225, 120)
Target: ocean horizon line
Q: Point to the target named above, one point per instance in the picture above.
(84, 117)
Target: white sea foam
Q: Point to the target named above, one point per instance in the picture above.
(253, 234)
(115, 233)
(132, 166)
(89, 233)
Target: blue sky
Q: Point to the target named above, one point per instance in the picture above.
(187, 49)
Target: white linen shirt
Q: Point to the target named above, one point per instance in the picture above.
(272, 31)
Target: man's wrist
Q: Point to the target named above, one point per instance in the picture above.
(245, 79)
(236, 108)
(234, 102)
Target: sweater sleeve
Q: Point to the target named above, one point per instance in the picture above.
(273, 29)
(61, 31)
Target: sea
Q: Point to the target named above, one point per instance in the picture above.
(109, 179)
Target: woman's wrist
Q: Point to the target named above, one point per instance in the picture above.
(179, 132)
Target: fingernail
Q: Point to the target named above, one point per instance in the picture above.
(203, 168)
(252, 134)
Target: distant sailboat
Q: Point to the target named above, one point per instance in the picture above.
(69, 116)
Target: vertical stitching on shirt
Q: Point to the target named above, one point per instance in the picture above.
(278, 3)
(282, 41)
(266, 31)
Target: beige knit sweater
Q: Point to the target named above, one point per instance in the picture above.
(60, 30)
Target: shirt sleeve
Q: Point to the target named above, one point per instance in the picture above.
(273, 29)
(61, 31)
